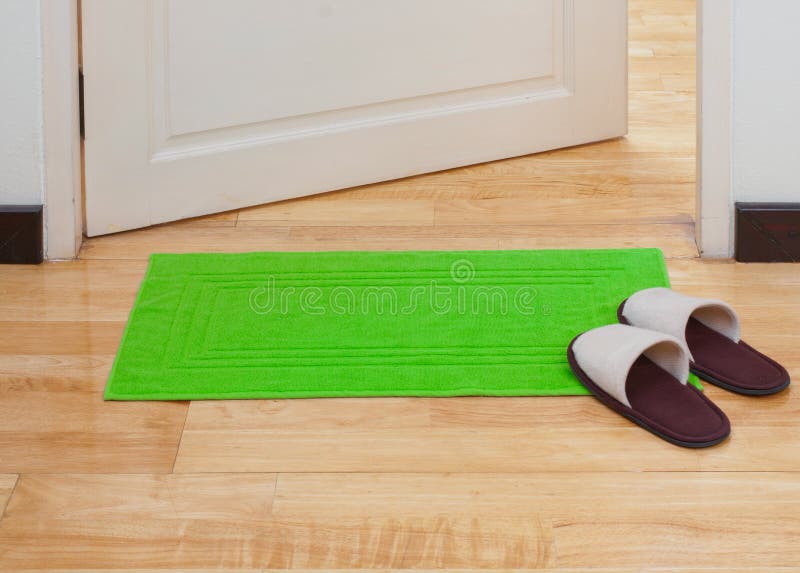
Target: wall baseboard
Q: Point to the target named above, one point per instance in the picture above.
(767, 232)
(21, 238)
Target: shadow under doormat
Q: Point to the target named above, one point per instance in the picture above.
(413, 323)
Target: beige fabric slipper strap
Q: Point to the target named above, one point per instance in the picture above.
(606, 355)
(667, 311)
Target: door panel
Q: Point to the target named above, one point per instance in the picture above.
(314, 57)
(198, 106)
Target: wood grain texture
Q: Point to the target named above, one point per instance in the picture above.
(403, 521)
(7, 483)
(343, 213)
(77, 291)
(456, 570)
(675, 239)
(124, 522)
(518, 449)
(47, 431)
(60, 328)
(388, 484)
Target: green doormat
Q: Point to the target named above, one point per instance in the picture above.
(423, 323)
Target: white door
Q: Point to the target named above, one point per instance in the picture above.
(199, 106)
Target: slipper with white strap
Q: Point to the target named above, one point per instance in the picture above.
(710, 330)
(642, 375)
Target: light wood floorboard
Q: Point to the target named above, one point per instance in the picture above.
(333, 521)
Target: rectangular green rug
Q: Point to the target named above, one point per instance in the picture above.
(420, 323)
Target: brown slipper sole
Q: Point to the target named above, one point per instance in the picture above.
(675, 412)
(735, 366)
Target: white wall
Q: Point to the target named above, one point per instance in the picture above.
(21, 144)
(766, 100)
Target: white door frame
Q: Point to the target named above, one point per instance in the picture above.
(714, 226)
(62, 196)
(62, 147)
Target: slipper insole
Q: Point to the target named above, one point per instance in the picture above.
(659, 397)
(736, 364)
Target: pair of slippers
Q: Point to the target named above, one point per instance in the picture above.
(640, 368)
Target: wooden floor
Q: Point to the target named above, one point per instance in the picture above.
(462, 483)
